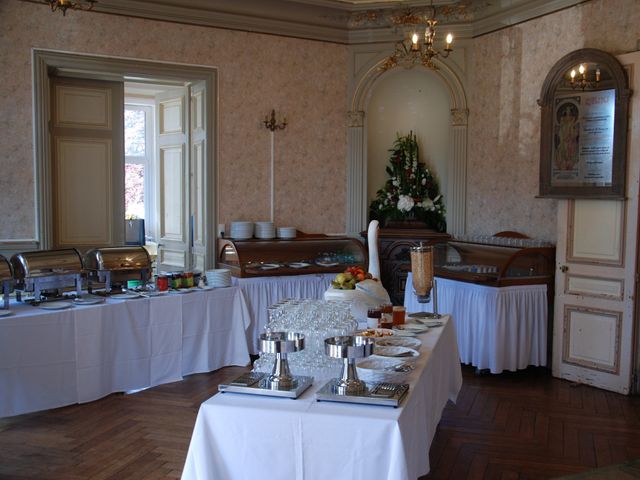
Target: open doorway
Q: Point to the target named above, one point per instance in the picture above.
(167, 162)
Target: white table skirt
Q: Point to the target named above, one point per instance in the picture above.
(243, 437)
(498, 329)
(261, 292)
(50, 359)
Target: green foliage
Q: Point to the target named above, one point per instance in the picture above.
(411, 192)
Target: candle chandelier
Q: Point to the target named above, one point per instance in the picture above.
(64, 5)
(414, 50)
(580, 77)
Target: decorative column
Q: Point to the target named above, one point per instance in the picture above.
(457, 175)
(356, 201)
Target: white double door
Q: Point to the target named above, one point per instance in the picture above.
(594, 318)
(87, 159)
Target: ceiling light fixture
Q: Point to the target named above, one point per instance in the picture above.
(64, 5)
(411, 51)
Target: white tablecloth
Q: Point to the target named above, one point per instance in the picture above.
(261, 292)
(243, 437)
(498, 328)
(50, 359)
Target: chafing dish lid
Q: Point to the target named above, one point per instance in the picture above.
(5, 270)
(46, 262)
(117, 258)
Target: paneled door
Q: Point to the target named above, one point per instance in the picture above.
(173, 180)
(596, 277)
(87, 168)
(199, 175)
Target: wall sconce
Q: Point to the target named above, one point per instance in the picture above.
(580, 79)
(272, 124)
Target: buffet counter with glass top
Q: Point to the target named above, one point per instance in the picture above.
(309, 254)
(501, 263)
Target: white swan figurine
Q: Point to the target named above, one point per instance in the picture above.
(368, 293)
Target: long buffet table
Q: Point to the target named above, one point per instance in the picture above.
(50, 359)
(238, 436)
(499, 328)
(261, 292)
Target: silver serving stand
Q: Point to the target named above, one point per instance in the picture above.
(349, 388)
(280, 383)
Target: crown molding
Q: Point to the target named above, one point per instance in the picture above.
(323, 20)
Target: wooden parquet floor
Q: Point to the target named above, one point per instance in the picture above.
(510, 426)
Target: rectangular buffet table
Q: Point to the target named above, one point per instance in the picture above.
(49, 359)
(261, 292)
(499, 328)
(239, 436)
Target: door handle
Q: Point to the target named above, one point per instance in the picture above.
(564, 268)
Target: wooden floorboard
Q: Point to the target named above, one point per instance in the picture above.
(522, 426)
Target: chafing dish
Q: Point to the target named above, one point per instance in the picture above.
(6, 281)
(47, 273)
(115, 266)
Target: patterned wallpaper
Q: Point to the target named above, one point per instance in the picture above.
(509, 68)
(307, 81)
(303, 79)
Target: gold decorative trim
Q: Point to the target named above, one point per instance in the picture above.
(566, 338)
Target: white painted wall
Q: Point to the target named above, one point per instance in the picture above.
(404, 100)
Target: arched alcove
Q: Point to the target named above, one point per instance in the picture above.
(400, 101)
(357, 146)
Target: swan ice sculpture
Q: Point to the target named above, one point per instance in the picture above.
(368, 293)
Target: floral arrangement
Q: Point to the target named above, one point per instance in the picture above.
(412, 192)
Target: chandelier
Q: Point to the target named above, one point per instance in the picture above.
(64, 5)
(580, 79)
(411, 50)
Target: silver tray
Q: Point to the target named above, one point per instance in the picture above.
(375, 394)
(257, 383)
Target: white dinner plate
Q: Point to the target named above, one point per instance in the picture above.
(270, 266)
(88, 300)
(299, 265)
(55, 305)
(5, 313)
(431, 323)
(153, 294)
(412, 327)
(327, 264)
(404, 333)
(181, 291)
(125, 296)
(409, 342)
(395, 352)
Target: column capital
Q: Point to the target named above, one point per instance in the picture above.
(355, 118)
(459, 117)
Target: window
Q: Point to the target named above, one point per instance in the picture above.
(139, 163)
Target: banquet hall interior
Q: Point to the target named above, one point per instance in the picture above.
(255, 149)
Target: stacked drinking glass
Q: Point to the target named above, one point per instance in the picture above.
(317, 320)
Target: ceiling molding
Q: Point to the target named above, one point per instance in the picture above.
(323, 20)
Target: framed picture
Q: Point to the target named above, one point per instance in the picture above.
(583, 150)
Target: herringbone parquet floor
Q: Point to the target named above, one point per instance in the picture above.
(510, 426)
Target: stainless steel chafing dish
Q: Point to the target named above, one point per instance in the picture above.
(47, 273)
(6, 281)
(114, 266)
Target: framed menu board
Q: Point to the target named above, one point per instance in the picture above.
(584, 127)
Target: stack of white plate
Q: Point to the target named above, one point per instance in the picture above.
(265, 230)
(219, 277)
(241, 230)
(286, 232)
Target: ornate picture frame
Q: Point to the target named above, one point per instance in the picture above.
(583, 136)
